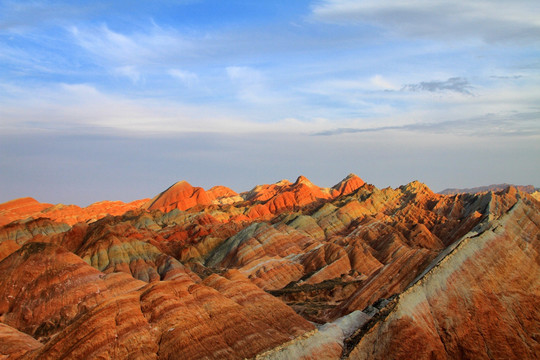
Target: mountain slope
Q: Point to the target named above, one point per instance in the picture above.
(285, 270)
(479, 301)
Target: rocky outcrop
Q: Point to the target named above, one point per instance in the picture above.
(29, 208)
(479, 301)
(18, 233)
(79, 312)
(180, 196)
(14, 344)
(222, 195)
(324, 343)
(121, 248)
(348, 185)
(47, 287)
(72, 214)
(287, 270)
(20, 209)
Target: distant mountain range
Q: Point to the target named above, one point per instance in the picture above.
(529, 189)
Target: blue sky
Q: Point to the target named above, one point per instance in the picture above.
(118, 100)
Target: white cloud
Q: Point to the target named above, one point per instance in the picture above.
(244, 75)
(187, 77)
(81, 108)
(130, 72)
(492, 20)
(249, 82)
(359, 104)
(144, 48)
(381, 83)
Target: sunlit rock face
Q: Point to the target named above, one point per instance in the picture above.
(480, 301)
(285, 270)
(29, 208)
(20, 209)
(79, 312)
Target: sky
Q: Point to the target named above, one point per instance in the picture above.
(120, 99)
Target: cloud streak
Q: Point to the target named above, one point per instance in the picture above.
(157, 46)
(454, 84)
(187, 77)
(499, 20)
(506, 125)
(83, 109)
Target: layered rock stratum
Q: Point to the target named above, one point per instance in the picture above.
(288, 270)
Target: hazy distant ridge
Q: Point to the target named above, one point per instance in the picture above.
(493, 187)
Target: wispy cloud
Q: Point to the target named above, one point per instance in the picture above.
(154, 46)
(187, 77)
(506, 77)
(130, 72)
(380, 82)
(507, 125)
(498, 20)
(454, 84)
(250, 83)
(84, 109)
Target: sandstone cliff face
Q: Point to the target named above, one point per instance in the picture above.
(197, 273)
(480, 301)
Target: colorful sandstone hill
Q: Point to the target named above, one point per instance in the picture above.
(287, 270)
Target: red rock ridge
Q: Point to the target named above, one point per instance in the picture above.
(273, 199)
(20, 209)
(78, 312)
(24, 208)
(218, 283)
(180, 196)
(348, 185)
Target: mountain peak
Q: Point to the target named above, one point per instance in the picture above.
(416, 187)
(303, 180)
(180, 195)
(181, 183)
(348, 184)
(20, 202)
(283, 182)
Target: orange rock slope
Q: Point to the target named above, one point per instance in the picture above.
(287, 270)
(24, 208)
(480, 301)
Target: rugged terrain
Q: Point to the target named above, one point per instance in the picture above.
(285, 270)
(493, 187)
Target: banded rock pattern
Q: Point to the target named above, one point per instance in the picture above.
(284, 270)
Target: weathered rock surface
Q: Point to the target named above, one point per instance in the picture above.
(24, 208)
(45, 287)
(72, 214)
(197, 273)
(324, 343)
(79, 312)
(20, 209)
(180, 196)
(14, 344)
(480, 301)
